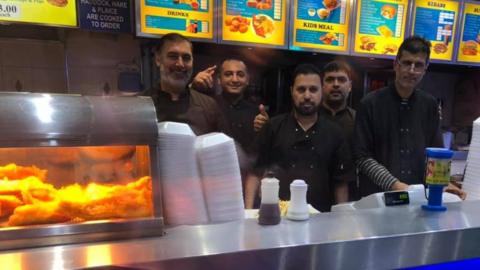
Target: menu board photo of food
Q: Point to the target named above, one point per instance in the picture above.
(435, 20)
(254, 22)
(191, 18)
(468, 49)
(380, 27)
(47, 12)
(321, 25)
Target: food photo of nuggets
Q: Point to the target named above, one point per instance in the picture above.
(388, 12)
(58, 3)
(328, 38)
(237, 24)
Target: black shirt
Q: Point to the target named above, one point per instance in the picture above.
(199, 111)
(240, 115)
(319, 156)
(395, 132)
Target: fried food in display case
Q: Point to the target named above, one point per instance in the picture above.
(28, 197)
(86, 171)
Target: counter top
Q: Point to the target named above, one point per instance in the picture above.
(393, 237)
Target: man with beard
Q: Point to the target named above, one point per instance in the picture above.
(395, 124)
(337, 84)
(301, 145)
(174, 101)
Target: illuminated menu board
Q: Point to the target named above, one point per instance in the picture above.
(191, 18)
(50, 12)
(254, 22)
(380, 27)
(321, 25)
(435, 20)
(468, 49)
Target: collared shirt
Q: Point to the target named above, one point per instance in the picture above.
(319, 156)
(345, 118)
(199, 111)
(240, 115)
(394, 132)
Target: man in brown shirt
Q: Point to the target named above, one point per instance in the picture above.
(174, 101)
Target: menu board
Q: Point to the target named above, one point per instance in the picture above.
(50, 12)
(191, 18)
(380, 27)
(254, 22)
(321, 25)
(468, 50)
(435, 20)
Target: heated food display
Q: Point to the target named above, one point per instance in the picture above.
(26, 198)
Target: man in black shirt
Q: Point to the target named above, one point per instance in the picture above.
(174, 101)
(303, 145)
(394, 125)
(337, 84)
(233, 78)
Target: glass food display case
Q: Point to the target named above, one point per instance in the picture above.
(77, 169)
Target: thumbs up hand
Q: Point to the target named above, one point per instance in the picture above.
(260, 119)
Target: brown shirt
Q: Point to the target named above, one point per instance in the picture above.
(199, 111)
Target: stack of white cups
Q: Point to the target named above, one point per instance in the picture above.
(183, 200)
(471, 180)
(221, 178)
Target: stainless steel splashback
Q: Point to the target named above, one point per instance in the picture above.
(30, 119)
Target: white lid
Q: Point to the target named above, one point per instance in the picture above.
(298, 183)
(175, 128)
(212, 139)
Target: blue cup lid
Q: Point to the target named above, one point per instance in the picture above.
(438, 152)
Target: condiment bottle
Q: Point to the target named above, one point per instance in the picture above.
(269, 213)
(298, 208)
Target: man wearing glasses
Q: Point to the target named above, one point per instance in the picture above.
(395, 124)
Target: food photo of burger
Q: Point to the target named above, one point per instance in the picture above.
(470, 48)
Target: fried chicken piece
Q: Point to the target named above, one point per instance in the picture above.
(105, 202)
(38, 213)
(14, 172)
(8, 203)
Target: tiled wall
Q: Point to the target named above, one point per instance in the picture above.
(85, 63)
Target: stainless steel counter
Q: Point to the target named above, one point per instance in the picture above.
(393, 237)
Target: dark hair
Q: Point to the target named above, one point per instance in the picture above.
(305, 69)
(415, 45)
(337, 65)
(170, 37)
(232, 59)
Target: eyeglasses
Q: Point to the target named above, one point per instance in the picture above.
(409, 65)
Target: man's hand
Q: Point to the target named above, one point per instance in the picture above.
(203, 81)
(455, 190)
(260, 119)
(397, 186)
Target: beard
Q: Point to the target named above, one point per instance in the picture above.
(177, 81)
(306, 108)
